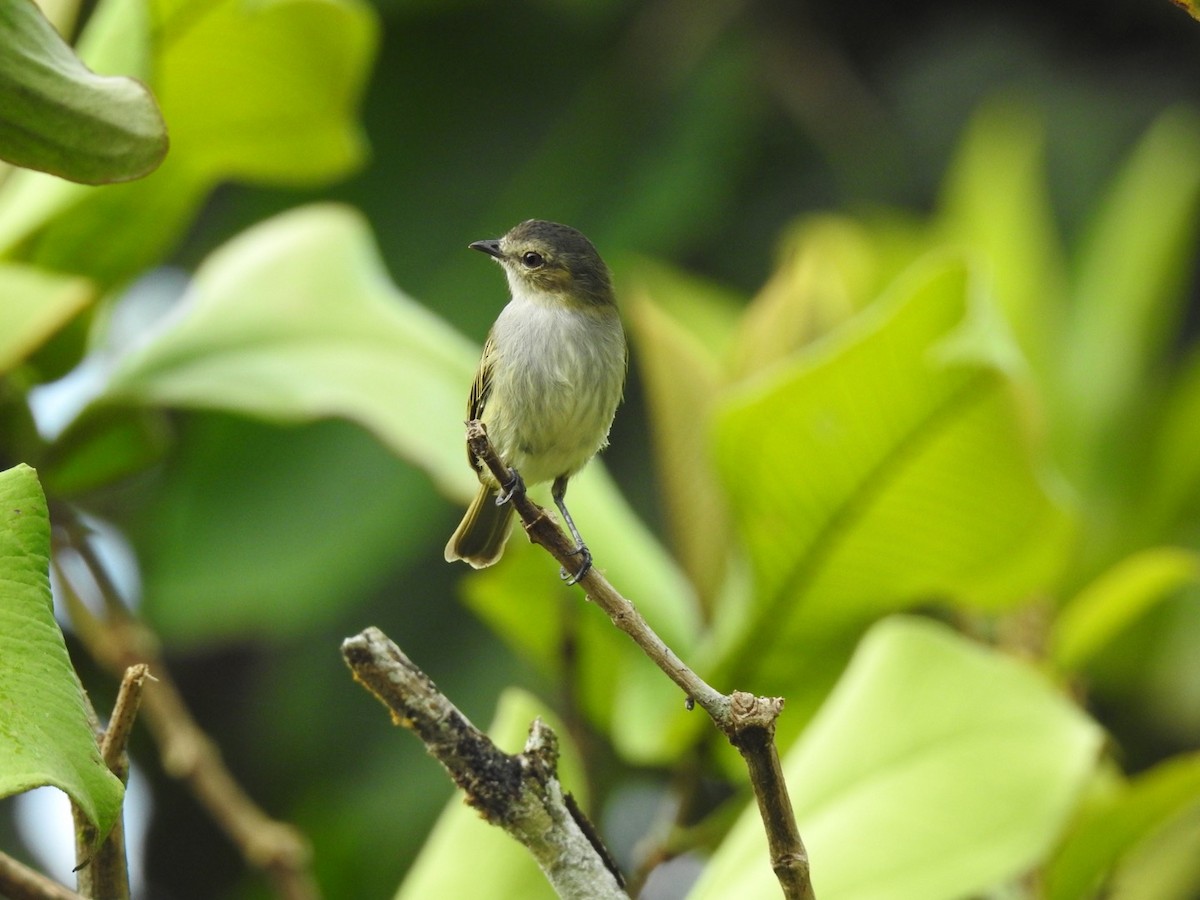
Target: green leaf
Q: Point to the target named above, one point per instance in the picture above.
(1112, 601)
(887, 464)
(679, 330)
(296, 320)
(265, 92)
(61, 118)
(91, 234)
(707, 311)
(45, 738)
(1165, 865)
(1116, 824)
(995, 205)
(499, 866)
(936, 769)
(1170, 490)
(826, 274)
(1129, 292)
(36, 304)
(103, 449)
(254, 531)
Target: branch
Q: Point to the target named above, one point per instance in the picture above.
(746, 720)
(104, 872)
(19, 882)
(120, 724)
(118, 641)
(521, 793)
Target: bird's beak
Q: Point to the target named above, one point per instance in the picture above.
(491, 248)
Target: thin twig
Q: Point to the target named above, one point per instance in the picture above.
(120, 724)
(746, 720)
(521, 793)
(104, 872)
(119, 641)
(19, 882)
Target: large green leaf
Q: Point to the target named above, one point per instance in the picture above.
(116, 42)
(296, 320)
(1115, 824)
(935, 770)
(499, 867)
(36, 304)
(45, 738)
(265, 92)
(886, 465)
(1164, 866)
(60, 117)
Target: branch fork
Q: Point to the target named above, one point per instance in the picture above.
(520, 793)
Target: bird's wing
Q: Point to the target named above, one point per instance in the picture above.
(480, 389)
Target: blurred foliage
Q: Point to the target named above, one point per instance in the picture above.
(911, 304)
(59, 117)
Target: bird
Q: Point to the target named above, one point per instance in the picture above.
(549, 382)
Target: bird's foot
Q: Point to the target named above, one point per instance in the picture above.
(511, 488)
(584, 567)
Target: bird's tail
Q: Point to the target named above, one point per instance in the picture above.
(480, 537)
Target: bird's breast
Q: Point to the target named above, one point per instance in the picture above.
(557, 376)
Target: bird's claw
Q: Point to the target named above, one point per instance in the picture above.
(515, 485)
(584, 567)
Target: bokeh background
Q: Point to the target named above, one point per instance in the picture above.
(693, 133)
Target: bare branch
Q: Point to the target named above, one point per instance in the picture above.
(119, 641)
(753, 733)
(120, 724)
(747, 721)
(104, 872)
(19, 882)
(520, 794)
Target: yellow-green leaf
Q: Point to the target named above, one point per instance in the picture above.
(296, 320)
(935, 770)
(1114, 825)
(35, 305)
(825, 275)
(683, 376)
(1116, 598)
(886, 465)
(995, 204)
(1128, 294)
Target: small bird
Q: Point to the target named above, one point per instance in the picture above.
(549, 381)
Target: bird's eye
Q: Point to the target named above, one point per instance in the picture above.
(532, 260)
